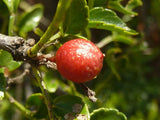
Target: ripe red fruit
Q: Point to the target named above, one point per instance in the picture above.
(79, 60)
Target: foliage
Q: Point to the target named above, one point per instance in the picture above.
(107, 114)
(128, 85)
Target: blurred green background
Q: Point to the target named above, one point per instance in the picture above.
(130, 78)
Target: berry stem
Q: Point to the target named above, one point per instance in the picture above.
(59, 17)
(44, 92)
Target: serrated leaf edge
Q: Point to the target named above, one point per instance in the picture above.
(125, 29)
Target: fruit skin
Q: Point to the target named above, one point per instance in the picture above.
(79, 60)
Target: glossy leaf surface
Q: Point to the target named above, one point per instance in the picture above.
(51, 81)
(101, 18)
(30, 19)
(76, 18)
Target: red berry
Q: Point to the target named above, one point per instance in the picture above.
(79, 60)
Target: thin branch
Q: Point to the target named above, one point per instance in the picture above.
(10, 43)
(62, 7)
(48, 44)
(18, 78)
(25, 111)
(89, 93)
(44, 92)
(19, 47)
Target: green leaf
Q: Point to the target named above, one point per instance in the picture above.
(69, 106)
(101, 18)
(124, 39)
(116, 38)
(7, 61)
(133, 4)
(12, 5)
(16, 3)
(36, 103)
(76, 18)
(107, 114)
(116, 5)
(2, 84)
(30, 19)
(12, 65)
(51, 81)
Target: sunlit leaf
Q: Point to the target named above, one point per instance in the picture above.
(7, 61)
(107, 114)
(101, 18)
(51, 81)
(30, 19)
